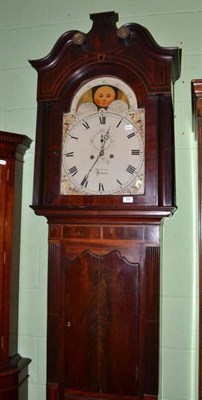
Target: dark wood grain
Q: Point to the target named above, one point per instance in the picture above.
(103, 319)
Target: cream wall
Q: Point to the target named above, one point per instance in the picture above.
(28, 30)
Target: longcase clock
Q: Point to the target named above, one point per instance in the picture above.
(105, 180)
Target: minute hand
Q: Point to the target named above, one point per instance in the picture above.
(98, 157)
(86, 176)
(101, 153)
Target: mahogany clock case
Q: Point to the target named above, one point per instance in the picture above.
(104, 253)
(131, 55)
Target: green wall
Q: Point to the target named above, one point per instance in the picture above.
(28, 30)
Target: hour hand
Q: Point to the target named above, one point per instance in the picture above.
(104, 138)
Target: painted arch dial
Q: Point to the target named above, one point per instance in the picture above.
(103, 153)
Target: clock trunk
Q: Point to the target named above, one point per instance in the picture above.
(103, 319)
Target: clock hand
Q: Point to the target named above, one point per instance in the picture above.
(86, 176)
(101, 153)
(103, 141)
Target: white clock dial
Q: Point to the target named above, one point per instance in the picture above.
(104, 154)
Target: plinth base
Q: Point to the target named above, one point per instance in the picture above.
(14, 378)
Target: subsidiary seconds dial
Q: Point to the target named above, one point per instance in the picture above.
(104, 154)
